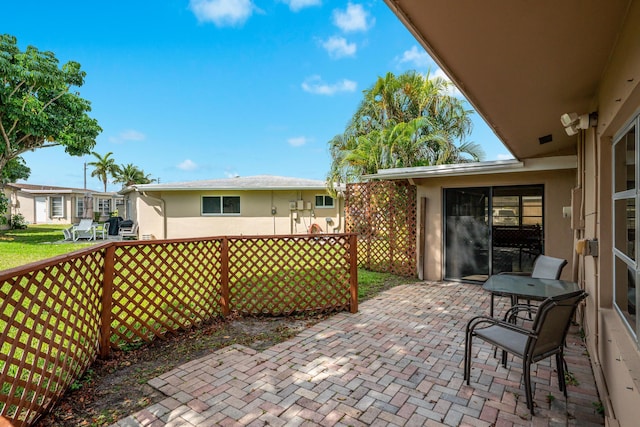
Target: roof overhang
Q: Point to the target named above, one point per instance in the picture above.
(479, 168)
(251, 183)
(156, 188)
(24, 190)
(521, 64)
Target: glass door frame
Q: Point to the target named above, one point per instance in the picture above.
(490, 206)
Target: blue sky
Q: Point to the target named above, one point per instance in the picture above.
(205, 89)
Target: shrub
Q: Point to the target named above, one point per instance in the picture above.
(18, 222)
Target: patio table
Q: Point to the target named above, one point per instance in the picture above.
(526, 287)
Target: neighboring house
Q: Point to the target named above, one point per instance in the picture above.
(254, 205)
(523, 66)
(46, 204)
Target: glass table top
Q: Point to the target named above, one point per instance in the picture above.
(528, 287)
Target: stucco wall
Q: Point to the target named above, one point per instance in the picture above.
(612, 346)
(26, 205)
(184, 217)
(557, 193)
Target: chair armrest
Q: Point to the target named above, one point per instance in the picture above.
(515, 273)
(491, 321)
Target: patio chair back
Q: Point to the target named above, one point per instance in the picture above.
(546, 267)
(552, 323)
(84, 225)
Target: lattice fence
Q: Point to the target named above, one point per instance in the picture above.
(164, 287)
(49, 330)
(384, 216)
(56, 316)
(295, 274)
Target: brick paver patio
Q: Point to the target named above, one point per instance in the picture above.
(397, 362)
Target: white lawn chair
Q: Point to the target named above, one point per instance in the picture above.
(101, 230)
(125, 232)
(84, 230)
(67, 234)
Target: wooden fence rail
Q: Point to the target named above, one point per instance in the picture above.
(58, 315)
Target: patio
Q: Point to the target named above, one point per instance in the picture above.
(398, 361)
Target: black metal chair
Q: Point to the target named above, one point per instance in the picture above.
(545, 338)
(544, 267)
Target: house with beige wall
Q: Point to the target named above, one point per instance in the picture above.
(254, 205)
(556, 79)
(491, 217)
(46, 204)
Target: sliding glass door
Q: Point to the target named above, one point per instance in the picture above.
(489, 230)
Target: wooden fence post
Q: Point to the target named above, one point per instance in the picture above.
(107, 302)
(224, 277)
(353, 272)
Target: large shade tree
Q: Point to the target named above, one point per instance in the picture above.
(403, 121)
(14, 170)
(39, 104)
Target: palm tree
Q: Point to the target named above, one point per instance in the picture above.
(130, 174)
(403, 121)
(103, 168)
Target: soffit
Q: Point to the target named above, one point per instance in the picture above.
(521, 64)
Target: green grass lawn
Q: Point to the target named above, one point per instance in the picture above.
(37, 242)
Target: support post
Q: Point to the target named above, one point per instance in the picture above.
(353, 272)
(224, 277)
(107, 302)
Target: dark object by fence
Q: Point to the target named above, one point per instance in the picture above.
(114, 225)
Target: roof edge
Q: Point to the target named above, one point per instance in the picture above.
(479, 168)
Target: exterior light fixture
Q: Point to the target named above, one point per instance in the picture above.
(573, 122)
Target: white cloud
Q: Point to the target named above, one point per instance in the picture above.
(230, 174)
(297, 141)
(223, 12)
(127, 135)
(188, 165)
(314, 84)
(504, 157)
(417, 57)
(353, 18)
(297, 5)
(338, 47)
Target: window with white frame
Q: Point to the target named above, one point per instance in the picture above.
(220, 205)
(57, 206)
(104, 206)
(79, 207)
(626, 148)
(323, 201)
